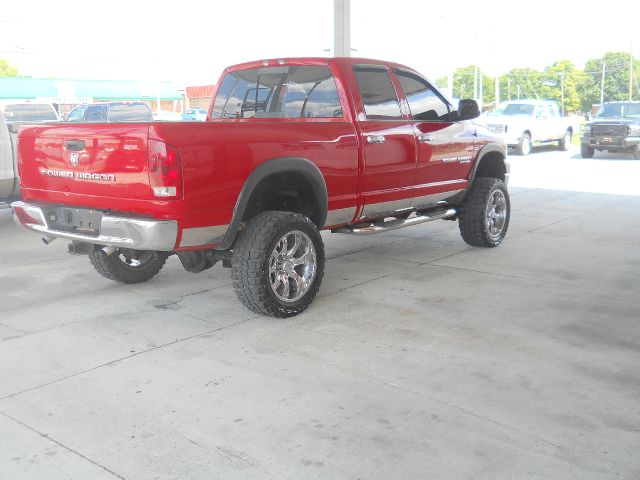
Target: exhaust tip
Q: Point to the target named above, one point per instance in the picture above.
(47, 240)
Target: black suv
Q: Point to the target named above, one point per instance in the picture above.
(615, 128)
(111, 112)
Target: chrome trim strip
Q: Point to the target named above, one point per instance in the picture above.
(427, 200)
(123, 232)
(192, 237)
(377, 209)
(340, 216)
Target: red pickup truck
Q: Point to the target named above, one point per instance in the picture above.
(290, 147)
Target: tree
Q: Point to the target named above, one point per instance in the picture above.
(6, 69)
(463, 79)
(560, 82)
(616, 79)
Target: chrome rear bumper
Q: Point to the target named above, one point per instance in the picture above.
(115, 231)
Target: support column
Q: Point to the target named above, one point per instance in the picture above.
(341, 28)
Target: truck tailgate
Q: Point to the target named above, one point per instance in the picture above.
(99, 160)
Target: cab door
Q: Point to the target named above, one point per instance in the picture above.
(445, 148)
(388, 143)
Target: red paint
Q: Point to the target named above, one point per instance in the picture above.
(217, 156)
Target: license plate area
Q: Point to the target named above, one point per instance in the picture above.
(609, 140)
(74, 220)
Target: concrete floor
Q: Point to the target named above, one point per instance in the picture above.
(421, 358)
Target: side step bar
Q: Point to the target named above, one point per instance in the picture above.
(378, 226)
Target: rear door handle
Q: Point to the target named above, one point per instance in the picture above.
(425, 138)
(375, 139)
(74, 145)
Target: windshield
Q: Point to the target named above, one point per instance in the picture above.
(619, 110)
(514, 110)
(29, 112)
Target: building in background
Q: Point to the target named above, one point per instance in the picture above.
(65, 94)
(199, 96)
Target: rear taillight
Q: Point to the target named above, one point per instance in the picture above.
(165, 171)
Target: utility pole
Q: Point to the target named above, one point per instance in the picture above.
(341, 28)
(475, 82)
(631, 72)
(562, 92)
(481, 97)
(602, 84)
(497, 91)
(509, 88)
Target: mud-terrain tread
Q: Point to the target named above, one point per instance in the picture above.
(250, 257)
(472, 213)
(586, 151)
(111, 267)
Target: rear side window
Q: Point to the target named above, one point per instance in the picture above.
(29, 112)
(77, 114)
(95, 113)
(129, 112)
(378, 95)
(278, 92)
(424, 101)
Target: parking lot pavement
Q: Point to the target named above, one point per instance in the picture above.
(421, 358)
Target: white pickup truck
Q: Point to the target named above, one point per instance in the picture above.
(12, 116)
(9, 181)
(524, 123)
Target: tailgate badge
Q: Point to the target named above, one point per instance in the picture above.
(74, 159)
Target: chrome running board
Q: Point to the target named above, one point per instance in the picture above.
(379, 226)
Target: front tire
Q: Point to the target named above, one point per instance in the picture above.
(565, 142)
(587, 151)
(128, 266)
(636, 152)
(278, 264)
(484, 215)
(524, 145)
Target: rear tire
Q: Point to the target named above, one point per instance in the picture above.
(587, 151)
(524, 145)
(128, 266)
(565, 142)
(484, 215)
(278, 264)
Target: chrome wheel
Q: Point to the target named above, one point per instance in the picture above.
(134, 258)
(292, 266)
(496, 214)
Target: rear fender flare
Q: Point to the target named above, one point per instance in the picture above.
(277, 165)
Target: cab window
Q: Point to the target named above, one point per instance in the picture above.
(378, 95)
(425, 103)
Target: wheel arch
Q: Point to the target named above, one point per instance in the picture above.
(491, 162)
(298, 174)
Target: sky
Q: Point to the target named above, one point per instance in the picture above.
(191, 42)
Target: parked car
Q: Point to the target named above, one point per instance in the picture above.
(295, 146)
(29, 111)
(163, 116)
(9, 181)
(615, 128)
(195, 114)
(111, 112)
(524, 123)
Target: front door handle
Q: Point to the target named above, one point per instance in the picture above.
(375, 139)
(425, 138)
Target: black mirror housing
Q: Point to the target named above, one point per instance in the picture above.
(468, 109)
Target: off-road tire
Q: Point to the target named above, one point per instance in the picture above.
(565, 142)
(587, 151)
(474, 212)
(251, 261)
(114, 267)
(524, 145)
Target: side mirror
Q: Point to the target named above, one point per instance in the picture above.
(468, 109)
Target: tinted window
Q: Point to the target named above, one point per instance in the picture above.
(77, 114)
(95, 113)
(274, 92)
(29, 112)
(378, 95)
(129, 112)
(424, 102)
